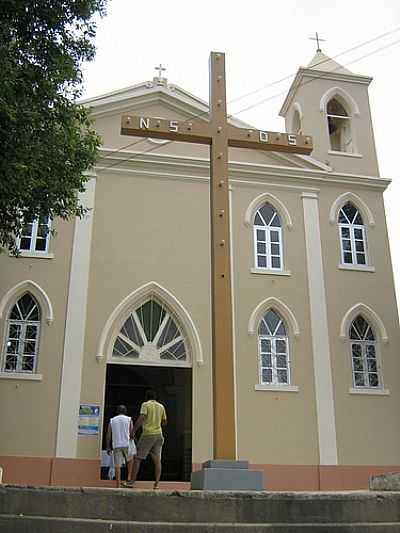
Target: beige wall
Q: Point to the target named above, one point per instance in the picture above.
(29, 409)
(368, 426)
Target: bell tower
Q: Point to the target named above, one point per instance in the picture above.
(331, 103)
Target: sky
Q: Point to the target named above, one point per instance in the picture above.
(264, 41)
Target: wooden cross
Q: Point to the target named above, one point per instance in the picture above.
(160, 69)
(219, 135)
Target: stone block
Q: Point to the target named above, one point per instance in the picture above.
(385, 482)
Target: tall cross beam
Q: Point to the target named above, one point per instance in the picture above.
(219, 135)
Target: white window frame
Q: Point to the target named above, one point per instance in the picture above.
(274, 367)
(21, 340)
(344, 117)
(267, 229)
(364, 344)
(34, 237)
(353, 251)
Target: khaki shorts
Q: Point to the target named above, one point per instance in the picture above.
(149, 444)
(121, 456)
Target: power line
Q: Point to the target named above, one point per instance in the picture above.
(323, 74)
(199, 115)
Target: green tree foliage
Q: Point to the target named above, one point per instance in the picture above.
(46, 138)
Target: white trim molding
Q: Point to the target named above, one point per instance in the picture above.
(369, 314)
(326, 423)
(75, 328)
(370, 391)
(357, 201)
(277, 304)
(27, 286)
(276, 272)
(274, 201)
(21, 376)
(135, 299)
(338, 91)
(277, 388)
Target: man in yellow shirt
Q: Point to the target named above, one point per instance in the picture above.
(152, 418)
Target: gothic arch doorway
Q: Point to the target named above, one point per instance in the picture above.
(149, 348)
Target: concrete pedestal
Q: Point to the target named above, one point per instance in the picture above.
(227, 475)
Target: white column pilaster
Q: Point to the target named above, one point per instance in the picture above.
(71, 375)
(320, 333)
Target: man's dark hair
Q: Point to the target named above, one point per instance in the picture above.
(151, 395)
(121, 410)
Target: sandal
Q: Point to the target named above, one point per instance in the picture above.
(127, 484)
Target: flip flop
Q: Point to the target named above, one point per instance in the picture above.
(127, 484)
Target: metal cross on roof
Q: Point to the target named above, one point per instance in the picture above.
(160, 69)
(318, 39)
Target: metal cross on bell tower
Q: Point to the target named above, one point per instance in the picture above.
(318, 39)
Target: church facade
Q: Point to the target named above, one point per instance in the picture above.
(119, 301)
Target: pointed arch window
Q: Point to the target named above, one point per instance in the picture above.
(268, 238)
(22, 337)
(296, 122)
(365, 366)
(151, 333)
(352, 236)
(273, 345)
(339, 127)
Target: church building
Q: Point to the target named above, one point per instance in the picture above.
(109, 305)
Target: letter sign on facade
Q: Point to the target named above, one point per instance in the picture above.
(144, 123)
(173, 125)
(263, 136)
(292, 139)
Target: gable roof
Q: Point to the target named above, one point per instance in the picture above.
(173, 97)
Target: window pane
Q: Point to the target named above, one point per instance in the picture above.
(359, 379)
(373, 380)
(358, 365)
(358, 234)
(274, 236)
(346, 245)
(258, 220)
(348, 258)
(170, 332)
(260, 235)
(14, 331)
(276, 221)
(261, 261)
(280, 346)
(266, 345)
(281, 329)
(370, 351)
(335, 108)
(282, 376)
(281, 361)
(263, 330)
(372, 365)
(350, 211)
(356, 350)
(31, 331)
(370, 335)
(361, 325)
(272, 320)
(12, 346)
(358, 219)
(361, 259)
(266, 360)
(27, 364)
(40, 245)
(267, 212)
(266, 375)
(359, 246)
(275, 249)
(131, 331)
(11, 363)
(276, 262)
(25, 244)
(29, 347)
(345, 232)
(261, 248)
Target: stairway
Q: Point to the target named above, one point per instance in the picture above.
(93, 510)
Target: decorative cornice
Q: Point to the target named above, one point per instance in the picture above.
(181, 167)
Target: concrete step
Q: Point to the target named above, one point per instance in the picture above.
(201, 507)
(37, 524)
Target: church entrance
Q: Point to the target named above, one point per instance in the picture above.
(126, 384)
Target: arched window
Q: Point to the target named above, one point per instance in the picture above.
(352, 236)
(152, 334)
(22, 340)
(296, 122)
(366, 372)
(273, 345)
(339, 127)
(268, 238)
